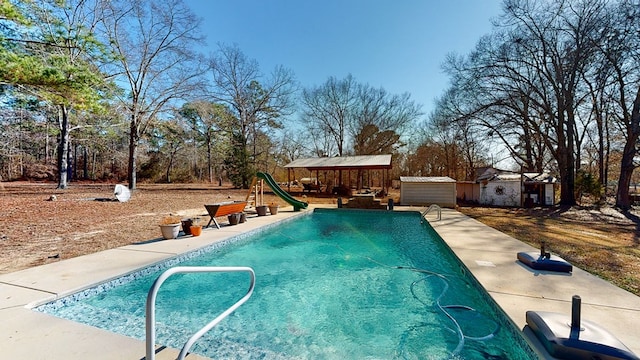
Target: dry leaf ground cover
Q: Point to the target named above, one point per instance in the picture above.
(36, 231)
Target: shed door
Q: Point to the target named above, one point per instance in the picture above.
(549, 195)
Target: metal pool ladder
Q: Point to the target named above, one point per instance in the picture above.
(432, 207)
(151, 305)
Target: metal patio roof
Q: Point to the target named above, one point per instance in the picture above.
(426, 179)
(343, 162)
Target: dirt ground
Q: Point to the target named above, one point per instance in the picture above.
(35, 230)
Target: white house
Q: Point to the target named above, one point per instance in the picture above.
(506, 188)
(501, 190)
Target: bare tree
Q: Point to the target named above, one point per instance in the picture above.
(463, 136)
(257, 102)
(601, 110)
(321, 143)
(556, 42)
(155, 43)
(526, 81)
(172, 136)
(621, 52)
(367, 119)
(330, 108)
(381, 118)
(292, 144)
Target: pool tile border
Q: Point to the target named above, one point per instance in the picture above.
(52, 306)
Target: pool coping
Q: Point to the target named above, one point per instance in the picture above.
(488, 254)
(491, 257)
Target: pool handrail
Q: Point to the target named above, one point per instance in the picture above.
(151, 305)
(431, 207)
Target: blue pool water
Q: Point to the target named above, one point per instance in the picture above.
(331, 285)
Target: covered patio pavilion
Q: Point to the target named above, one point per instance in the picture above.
(341, 164)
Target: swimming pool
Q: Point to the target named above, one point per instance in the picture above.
(331, 285)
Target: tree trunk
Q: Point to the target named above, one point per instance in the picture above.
(606, 161)
(245, 162)
(209, 161)
(74, 164)
(603, 153)
(85, 165)
(564, 153)
(46, 144)
(170, 165)
(133, 147)
(567, 187)
(63, 147)
(626, 164)
(566, 168)
(626, 170)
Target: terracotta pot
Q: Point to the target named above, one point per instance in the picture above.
(195, 230)
(170, 231)
(273, 210)
(261, 210)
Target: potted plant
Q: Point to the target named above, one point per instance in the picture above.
(170, 226)
(196, 227)
(273, 208)
(261, 210)
(186, 226)
(234, 218)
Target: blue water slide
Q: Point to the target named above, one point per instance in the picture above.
(297, 205)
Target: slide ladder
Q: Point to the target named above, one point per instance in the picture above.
(252, 196)
(297, 205)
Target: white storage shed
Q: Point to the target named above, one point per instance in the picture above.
(425, 191)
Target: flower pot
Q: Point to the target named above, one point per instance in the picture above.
(261, 210)
(195, 230)
(170, 231)
(186, 226)
(234, 218)
(243, 217)
(273, 209)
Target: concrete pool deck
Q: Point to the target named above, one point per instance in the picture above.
(491, 257)
(487, 253)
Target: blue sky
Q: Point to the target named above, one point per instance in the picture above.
(399, 45)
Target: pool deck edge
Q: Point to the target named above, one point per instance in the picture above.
(491, 257)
